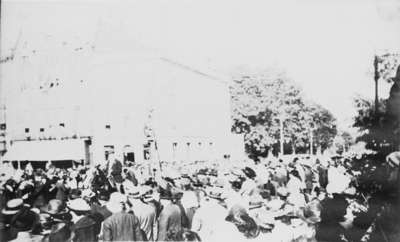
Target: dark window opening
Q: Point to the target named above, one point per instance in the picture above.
(108, 126)
(41, 129)
(26, 130)
(62, 125)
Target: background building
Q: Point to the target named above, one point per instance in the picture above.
(81, 103)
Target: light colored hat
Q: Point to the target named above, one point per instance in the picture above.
(78, 204)
(116, 201)
(282, 191)
(13, 206)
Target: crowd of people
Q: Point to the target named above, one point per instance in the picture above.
(301, 199)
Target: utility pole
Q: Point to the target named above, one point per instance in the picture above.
(376, 79)
(311, 142)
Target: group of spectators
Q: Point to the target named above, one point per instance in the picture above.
(303, 199)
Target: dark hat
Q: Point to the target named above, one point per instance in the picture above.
(24, 220)
(165, 194)
(250, 173)
(74, 194)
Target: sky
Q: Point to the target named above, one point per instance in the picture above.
(327, 46)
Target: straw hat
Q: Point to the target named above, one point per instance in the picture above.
(115, 204)
(79, 204)
(13, 206)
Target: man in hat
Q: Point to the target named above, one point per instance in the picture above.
(121, 225)
(209, 220)
(170, 219)
(12, 207)
(59, 220)
(86, 226)
(99, 204)
(22, 224)
(145, 212)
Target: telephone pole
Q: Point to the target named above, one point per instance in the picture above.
(376, 79)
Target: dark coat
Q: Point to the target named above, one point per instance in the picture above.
(85, 229)
(102, 210)
(170, 223)
(122, 226)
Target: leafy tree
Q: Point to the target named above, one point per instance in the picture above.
(261, 101)
(376, 128)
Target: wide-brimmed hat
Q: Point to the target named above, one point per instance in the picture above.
(79, 205)
(13, 206)
(55, 207)
(214, 192)
(116, 202)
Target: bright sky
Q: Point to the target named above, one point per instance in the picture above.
(327, 45)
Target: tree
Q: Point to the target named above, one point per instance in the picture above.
(263, 103)
(376, 128)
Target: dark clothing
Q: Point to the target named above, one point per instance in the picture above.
(122, 226)
(103, 210)
(184, 218)
(86, 229)
(189, 214)
(170, 224)
(62, 191)
(323, 176)
(331, 232)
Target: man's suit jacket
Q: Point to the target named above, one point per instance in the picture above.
(122, 226)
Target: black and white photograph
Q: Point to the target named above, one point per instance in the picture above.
(200, 120)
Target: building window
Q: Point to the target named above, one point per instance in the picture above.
(26, 130)
(62, 125)
(199, 143)
(3, 126)
(41, 129)
(108, 126)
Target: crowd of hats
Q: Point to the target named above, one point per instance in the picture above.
(253, 194)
